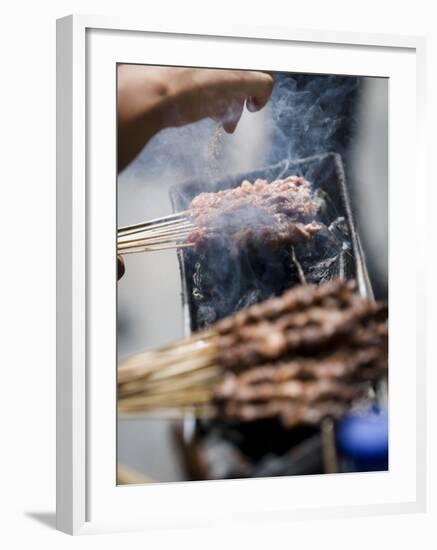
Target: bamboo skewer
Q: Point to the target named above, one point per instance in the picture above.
(154, 243)
(189, 398)
(174, 230)
(148, 362)
(177, 381)
(173, 235)
(182, 374)
(155, 222)
(176, 236)
(152, 248)
(174, 227)
(164, 233)
(157, 366)
(166, 392)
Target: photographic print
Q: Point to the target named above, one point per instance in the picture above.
(252, 266)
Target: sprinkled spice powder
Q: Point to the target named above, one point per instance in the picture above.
(213, 152)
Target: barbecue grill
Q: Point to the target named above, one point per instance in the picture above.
(263, 448)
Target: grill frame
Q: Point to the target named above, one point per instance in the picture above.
(324, 171)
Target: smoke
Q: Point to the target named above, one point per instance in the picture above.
(311, 114)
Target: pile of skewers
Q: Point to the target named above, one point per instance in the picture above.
(298, 357)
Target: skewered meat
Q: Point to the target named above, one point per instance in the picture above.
(268, 341)
(302, 320)
(298, 357)
(297, 299)
(277, 213)
(304, 355)
(345, 364)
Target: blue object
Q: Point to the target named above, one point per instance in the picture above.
(363, 439)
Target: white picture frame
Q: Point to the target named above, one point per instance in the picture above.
(86, 500)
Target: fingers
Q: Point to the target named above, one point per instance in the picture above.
(251, 105)
(215, 93)
(121, 268)
(254, 88)
(232, 117)
(259, 86)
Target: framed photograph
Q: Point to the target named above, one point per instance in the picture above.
(240, 309)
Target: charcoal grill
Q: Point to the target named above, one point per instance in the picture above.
(291, 451)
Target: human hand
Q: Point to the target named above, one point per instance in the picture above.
(215, 93)
(152, 98)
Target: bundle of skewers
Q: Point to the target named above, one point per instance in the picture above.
(277, 213)
(300, 357)
(158, 234)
